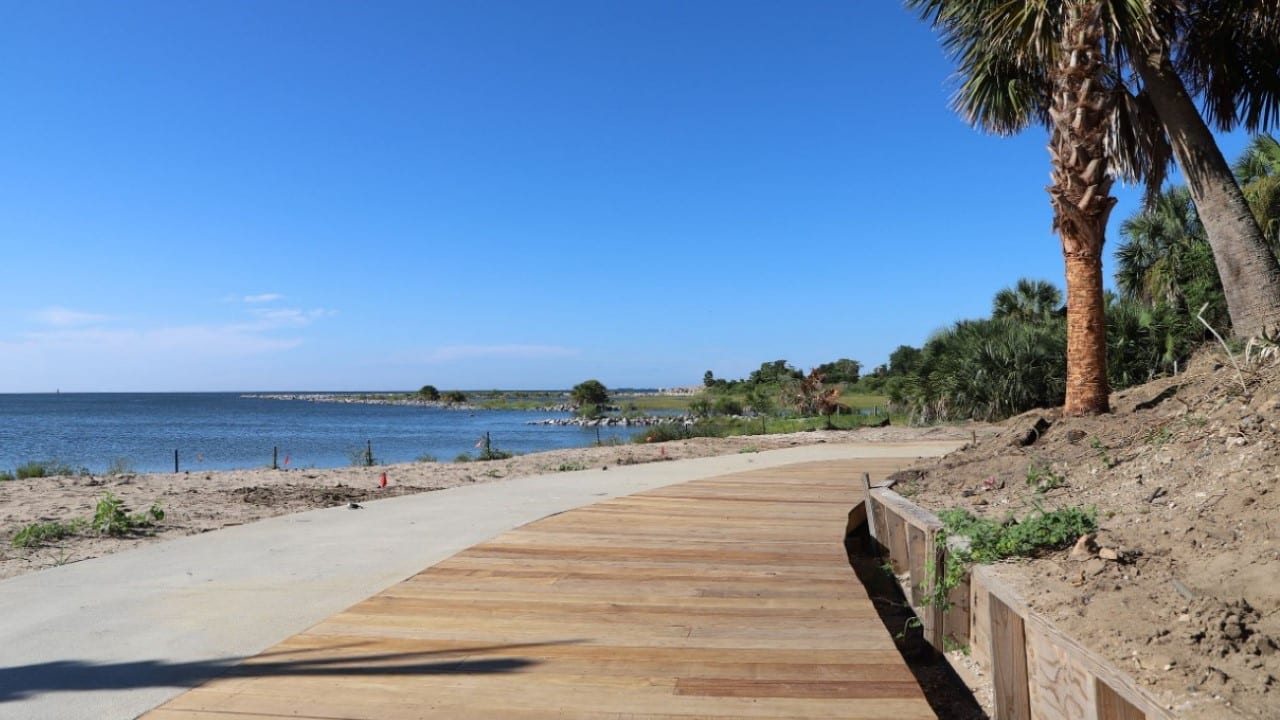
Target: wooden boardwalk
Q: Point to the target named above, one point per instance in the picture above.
(729, 597)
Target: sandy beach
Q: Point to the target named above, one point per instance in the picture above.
(198, 502)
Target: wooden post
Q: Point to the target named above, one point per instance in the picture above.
(275, 458)
(175, 460)
(1009, 663)
(869, 502)
(368, 453)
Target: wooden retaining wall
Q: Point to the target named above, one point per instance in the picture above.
(1038, 672)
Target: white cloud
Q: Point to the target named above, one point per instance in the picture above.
(263, 298)
(62, 317)
(507, 352)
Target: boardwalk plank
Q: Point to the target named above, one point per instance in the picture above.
(729, 597)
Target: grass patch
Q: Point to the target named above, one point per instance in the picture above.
(46, 468)
(38, 534)
(571, 467)
(989, 541)
(110, 517)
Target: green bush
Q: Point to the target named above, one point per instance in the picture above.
(120, 466)
(5, 475)
(41, 533)
(462, 457)
(426, 458)
(111, 517)
(429, 392)
(45, 468)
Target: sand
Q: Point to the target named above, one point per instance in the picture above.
(197, 502)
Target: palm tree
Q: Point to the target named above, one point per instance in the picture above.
(1157, 242)
(1160, 56)
(1258, 171)
(1227, 53)
(1046, 63)
(1028, 301)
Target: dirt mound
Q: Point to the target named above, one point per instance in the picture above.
(310, 497)
(1181, 586)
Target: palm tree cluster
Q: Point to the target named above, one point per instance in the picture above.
(1115, 84)
(1166, 277)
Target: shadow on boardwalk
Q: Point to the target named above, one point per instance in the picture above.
(946, 692)
(23, 681)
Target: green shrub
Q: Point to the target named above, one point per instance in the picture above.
(362, 456)
(462, 457)
(45, 468)
(5, 475)
(111, 517)
(426, 458)
(120, 466)
(571, 467)
(41, 533)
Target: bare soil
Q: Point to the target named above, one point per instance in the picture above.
(198, 502)
(1181, 586)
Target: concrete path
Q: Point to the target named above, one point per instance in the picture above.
(117, 636)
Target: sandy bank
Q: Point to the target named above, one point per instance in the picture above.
(198, 502)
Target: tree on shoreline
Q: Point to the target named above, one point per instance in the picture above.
(589, 392)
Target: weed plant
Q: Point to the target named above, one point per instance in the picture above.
(989, 541)
(46, 468)
(110, 517)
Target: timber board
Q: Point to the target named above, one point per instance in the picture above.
(729, 597)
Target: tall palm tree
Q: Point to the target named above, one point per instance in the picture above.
(1160, 56)
(1227, 53)
(1046, 63)
(1028, 301)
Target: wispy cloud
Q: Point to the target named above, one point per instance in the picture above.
(507, 352)
(63, 317)
(263, 298)
(288, 317)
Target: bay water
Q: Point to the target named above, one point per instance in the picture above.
(223, 431)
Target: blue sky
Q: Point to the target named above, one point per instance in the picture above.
(246, 195)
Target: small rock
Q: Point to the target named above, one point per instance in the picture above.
(1095, 566)
(354, 506)
(1109, 554)
(1085, 548)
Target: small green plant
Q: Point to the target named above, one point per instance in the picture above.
(40, 533)
(111, 517)
(989, 541)
(1042, 478)
(5, 476)
(362, 456)
(1195, 421)
(489, 452)
(571, 467)
(1159, 436)
(45, 468)
(426, 458)
(748, 449)
(1103, 455)
(462, 457)
(949, 644)
(120, 466)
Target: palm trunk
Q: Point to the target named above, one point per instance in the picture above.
(1249, 271)
(1082, 202)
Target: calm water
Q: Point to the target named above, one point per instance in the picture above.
(221, 431)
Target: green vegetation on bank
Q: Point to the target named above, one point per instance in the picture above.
(110, 517)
